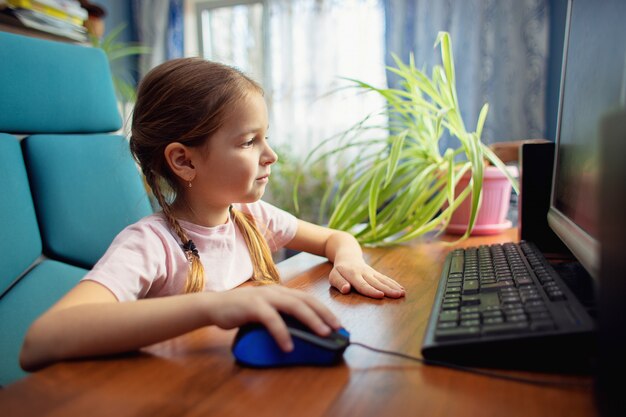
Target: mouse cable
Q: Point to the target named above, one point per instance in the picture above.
(491, 374)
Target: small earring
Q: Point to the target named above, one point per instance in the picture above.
(189, 185)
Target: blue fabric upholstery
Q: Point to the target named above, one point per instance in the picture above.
(67, 190)
(30, 297)
(86, 189)
(55, 87)
(20, 244)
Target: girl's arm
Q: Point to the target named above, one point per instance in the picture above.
(349, 268)
(89, 321)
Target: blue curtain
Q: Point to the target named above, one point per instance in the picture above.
(501, 50)
(159, 25)
(175, 44)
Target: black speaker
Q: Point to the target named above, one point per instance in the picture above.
(536, 161)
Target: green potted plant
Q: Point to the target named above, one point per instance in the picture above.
(313, 185)
(393, 188)
(115, 50)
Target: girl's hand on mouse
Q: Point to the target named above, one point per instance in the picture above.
(364, 279)
(264, 304)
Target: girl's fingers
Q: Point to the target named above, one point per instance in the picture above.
(365, 288)
(319, 321)
(275, 325)
(336, 280)
(370, 283)
(390, 287)
(308, 310)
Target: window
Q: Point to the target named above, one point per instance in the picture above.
(232, 32)
(299, 50)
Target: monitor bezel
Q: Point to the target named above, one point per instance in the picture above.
(583, 246)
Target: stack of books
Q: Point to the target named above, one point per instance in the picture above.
(60, 17)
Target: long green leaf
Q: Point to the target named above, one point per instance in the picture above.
(481, 120)
(400, 186)
(394, 156)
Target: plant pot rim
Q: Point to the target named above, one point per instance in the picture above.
(492, 171)
(479, 229)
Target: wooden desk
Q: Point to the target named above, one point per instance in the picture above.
(195, 375)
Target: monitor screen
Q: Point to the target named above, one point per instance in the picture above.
(593, 85)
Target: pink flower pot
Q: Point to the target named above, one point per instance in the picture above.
(491, 218)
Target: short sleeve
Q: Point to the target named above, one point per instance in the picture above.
(134, 265)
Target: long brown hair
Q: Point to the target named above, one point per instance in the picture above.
(187, 100)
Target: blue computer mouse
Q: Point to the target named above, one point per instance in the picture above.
(254, 346)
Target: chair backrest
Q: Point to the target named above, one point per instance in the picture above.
(86, 189)
(85, 185)
(54, 87)
(67, 185)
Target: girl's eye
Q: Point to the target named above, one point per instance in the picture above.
(251, 142)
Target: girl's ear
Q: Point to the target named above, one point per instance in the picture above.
(179, 159)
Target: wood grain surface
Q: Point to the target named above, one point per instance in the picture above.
(195, 374)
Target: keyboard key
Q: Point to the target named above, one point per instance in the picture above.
(510, 299)
(557, 295)
(548, 285)
(530, 297)
(492, 313)
(513, 311)
(470, 300)
(537, 308)
(453, 291)
(449, 315)
(470, 316)
(497, 286)
(513, 306)
(523, 281)
(545, 280)
(504, 328)
(470, 287)
(458, 333)
(456, 265)
(493, 320)
(516, 317)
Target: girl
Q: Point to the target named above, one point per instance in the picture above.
(199, 135)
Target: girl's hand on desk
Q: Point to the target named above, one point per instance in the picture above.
(263, 304)
(349, 270)
(364, 279)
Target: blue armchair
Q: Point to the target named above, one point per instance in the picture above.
(67, 185)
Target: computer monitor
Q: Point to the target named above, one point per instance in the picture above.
(593, 85)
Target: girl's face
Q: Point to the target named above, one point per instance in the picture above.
(235, 162)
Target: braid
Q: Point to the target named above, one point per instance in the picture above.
(195, 278)
(264, 269)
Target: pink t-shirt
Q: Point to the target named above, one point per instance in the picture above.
(146, 259)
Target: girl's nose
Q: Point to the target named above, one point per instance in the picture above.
(269, 156)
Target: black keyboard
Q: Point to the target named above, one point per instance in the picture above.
(505, 306)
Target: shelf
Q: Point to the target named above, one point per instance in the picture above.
(9, 23)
